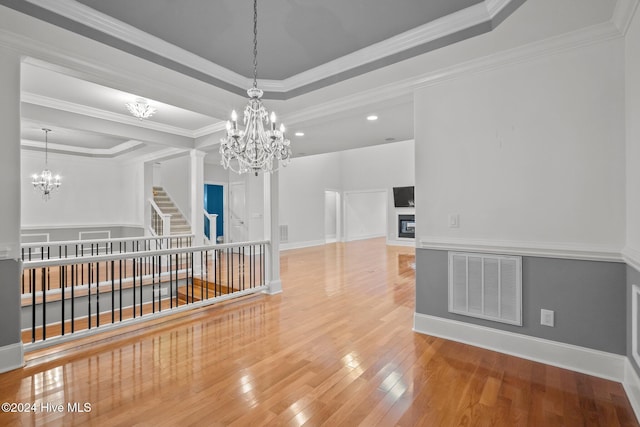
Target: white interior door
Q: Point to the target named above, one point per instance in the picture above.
(237, 212)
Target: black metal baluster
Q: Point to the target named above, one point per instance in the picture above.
(98, 294)
(89, 273)
(44, 304)
(120, 290)
(133, 292)
(141, 266)
(74, 275)
(32, 274)
(62, 270)
(113, 290)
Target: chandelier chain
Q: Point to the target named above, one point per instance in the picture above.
(255, 43)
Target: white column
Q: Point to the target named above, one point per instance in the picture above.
(272, 231)
(197, 195)
(11, 176)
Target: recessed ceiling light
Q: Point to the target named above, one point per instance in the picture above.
(299, 134)
(372, 117)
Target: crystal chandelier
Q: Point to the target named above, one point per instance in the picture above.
(140, 109)
(254, 148)
(46, 182)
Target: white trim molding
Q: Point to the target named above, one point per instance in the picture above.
(631, 257)
(532, 249)
(580, 359)
(438, 29)
(299, 245)
(623, 14)
(631, 384)
(11, 357)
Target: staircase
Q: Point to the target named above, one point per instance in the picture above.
(179, 224)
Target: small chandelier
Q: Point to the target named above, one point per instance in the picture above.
(46, 182)
(140, 109)
(254, 148)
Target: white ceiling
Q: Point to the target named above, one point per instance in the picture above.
(309, 49)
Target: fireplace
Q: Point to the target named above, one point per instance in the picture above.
(407, 226)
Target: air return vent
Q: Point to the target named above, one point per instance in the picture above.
(284, 233)
(486, 286)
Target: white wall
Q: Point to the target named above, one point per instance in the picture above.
(303, 182)
(302, 186)
(365, 214)
(176, 181)
(530, 152)
(381, 167)
(94, 191)
(632, 58)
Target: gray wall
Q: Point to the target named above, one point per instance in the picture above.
(588, 298)
(10, 271)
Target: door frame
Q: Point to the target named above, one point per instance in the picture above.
(225, 205)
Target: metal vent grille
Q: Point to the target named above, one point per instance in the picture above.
(486, 286)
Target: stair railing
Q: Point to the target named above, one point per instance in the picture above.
(160, 222)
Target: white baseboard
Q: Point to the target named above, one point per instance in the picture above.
(405, 242)
(11, 357)
(631, 386)
(300, 245)
(365, 237)
(274, 288)
(592, 362)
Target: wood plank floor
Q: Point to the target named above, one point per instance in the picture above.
(335, 348)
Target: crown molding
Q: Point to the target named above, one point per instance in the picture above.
(58, 104)
(404, 88)
(85, 15)
(71, 107)
(437, 29)
(623, 14)
(114, 151)
(631, 257)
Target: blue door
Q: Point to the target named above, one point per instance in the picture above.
(213, 204)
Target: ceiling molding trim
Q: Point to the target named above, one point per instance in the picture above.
(114, 151)
(623, 14)
(207, 130)
(439, 28)
(442, 27)
(84, 110)
(85, 15)
(495, 6)
(579, 38)
(166, 154)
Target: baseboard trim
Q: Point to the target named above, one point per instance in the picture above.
(11, 357)
(580, 359)
(631, 386)
(300, 245)
(365, 237)
(274, 288)
(408, 243)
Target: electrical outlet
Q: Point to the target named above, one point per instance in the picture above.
(547, 317)
(454, 220)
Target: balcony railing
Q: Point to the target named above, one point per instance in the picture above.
(65, 298)
(81, 248)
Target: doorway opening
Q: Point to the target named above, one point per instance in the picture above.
(214, 204)
(332, 216)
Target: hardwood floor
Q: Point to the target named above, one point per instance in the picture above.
(335, 348)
